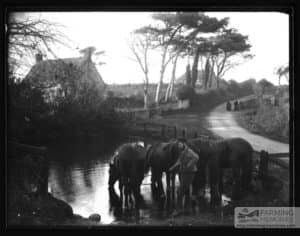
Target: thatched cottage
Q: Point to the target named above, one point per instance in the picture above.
(52, 75)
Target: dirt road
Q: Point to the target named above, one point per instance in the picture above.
(223, 123)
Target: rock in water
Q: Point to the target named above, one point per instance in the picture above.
(95, 217)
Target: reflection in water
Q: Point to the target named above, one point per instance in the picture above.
(88, 193)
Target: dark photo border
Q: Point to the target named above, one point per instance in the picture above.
(286, 6)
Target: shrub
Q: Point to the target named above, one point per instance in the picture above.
(185, 92)
(279, 117)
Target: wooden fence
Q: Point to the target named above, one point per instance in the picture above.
(161, 131)
(274, 159)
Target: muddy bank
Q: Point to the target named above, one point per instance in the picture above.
(28, 210)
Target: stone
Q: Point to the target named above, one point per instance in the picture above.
(95, 217)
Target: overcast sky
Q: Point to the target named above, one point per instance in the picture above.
(110, 31)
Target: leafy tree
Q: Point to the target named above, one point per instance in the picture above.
(200, 25)
(261, 88)
(226, 46)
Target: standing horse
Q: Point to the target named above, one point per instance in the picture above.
(173, 158)
(234, 153)
(128, 167)
(160, 158)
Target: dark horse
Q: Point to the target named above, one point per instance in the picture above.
(234, 153)
(128, 167)
(174, 157)
(161, 157)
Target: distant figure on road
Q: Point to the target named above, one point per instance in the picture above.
(228, 106)
(236, 105)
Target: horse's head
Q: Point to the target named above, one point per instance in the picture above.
(175, 148)
(187, 158)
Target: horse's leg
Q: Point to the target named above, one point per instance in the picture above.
(198, 185)
(179, 194)
(126, 192)
(131, 192)
(121, 188)
(187, 183)
(214, 172)
(168, 189)
(183, 192)
(246, 179)
(236, 187)
(137, 195)
(160, 185)
(221, 184)
(153, 180)
(173, 175)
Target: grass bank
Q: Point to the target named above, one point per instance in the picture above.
(270, 123)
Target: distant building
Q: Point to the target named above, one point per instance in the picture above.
(50, 75)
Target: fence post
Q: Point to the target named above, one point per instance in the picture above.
(263, 165)
(196, 135)
(43, 182)
(175, 132)
(183, 133)
(163, 131)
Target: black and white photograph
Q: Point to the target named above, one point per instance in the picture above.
(147, 118)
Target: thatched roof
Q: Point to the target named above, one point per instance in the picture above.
(47, 73)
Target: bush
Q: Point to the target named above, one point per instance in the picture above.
(279, 117)
(185, 92)
(33, 121)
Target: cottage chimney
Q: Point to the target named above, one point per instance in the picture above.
(87, 53)
(38, 57)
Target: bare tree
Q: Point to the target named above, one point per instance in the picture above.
(139, 47)
(282, 71)
(170, 88)
(28, 36)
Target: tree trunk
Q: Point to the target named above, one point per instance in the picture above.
(169, 91)
(211, 73)
(145, 99)
(146, 93)
(218, 80)
(206, 73)
(195, 67)
(188, 78)
(162, 71)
